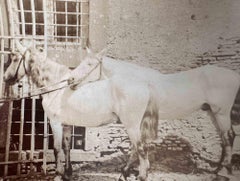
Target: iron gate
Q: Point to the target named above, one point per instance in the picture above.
(55, 25)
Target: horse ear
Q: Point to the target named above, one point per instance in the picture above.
(89, 51)
(101, 53)
(19, 47)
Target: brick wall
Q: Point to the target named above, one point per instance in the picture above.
(226, 54)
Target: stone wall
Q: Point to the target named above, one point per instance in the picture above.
(195, 132)
(165, 35)
(169, 36)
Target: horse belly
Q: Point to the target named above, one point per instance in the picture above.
(90, 105)
(178, 103)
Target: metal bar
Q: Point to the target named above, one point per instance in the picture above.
(32, 23)
(25, 161)
(45, 143)
(11, 27)
(69, 13)
(45, 134)
(75, 0)
(53, 12)
(33, 132)
(77, 23)
(21, 136)
(55, 17)
(40, 37)
(81, 21)
(9, 126)
(33, 18)
(66, 21)
(73, 137)
(22, 17)
(45, 24)
(11, 23)
(2, 55)
(23, 100)
(63, 25)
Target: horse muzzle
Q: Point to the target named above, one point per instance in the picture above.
(10, 80)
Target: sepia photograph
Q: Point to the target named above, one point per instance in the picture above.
(119, 90)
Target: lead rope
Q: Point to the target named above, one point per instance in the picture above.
(69, 84)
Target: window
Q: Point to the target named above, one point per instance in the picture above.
(66, 20)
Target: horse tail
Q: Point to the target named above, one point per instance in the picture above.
(235, 111)
(149, 124)
(234, 134)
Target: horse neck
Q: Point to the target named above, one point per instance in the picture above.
(47, 72)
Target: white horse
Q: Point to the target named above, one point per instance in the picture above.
(136, 96)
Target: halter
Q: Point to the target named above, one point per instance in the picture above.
(68, 82)
(22, 60)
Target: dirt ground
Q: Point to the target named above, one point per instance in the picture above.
(169, 167)
(153, 176)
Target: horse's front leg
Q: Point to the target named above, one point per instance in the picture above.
(139, 152)
(57, 131)
(67, 134)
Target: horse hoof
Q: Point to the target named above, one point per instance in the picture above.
(58, 178)
(229, 169)
(68, 171)
(66, 177)
(223, 174)
(220, 178)
(125, 173)
(141, 178)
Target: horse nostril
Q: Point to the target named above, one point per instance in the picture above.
(5, 78)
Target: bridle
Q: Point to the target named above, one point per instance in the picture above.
(22, 61)
(42, 91)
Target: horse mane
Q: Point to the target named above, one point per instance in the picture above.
(44, 70)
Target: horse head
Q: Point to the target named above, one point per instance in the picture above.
(95, 56)
(20, 65)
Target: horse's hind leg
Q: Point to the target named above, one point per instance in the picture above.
(144, 164)
(67, 134)
(223, 125)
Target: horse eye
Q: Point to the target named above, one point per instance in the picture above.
(15, 60)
